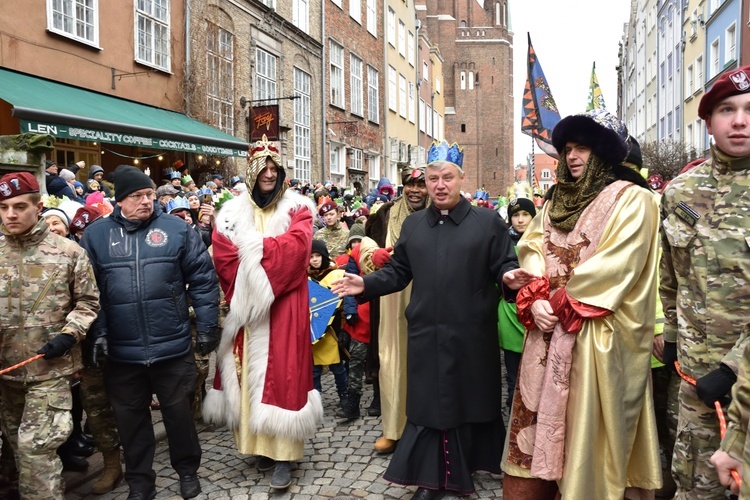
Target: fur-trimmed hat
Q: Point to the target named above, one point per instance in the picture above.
(597, 129)
(728, 84)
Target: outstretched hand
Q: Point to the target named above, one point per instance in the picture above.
(517, 278)
(350, 284)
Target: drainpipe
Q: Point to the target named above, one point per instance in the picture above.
(187, 55)
(323, 100)
(386, 166)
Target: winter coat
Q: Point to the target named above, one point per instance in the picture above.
(142, 268)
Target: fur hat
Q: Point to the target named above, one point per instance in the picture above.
(597, 129)
(129, 179)
(16, 184)
(520, 204)
(728, 84)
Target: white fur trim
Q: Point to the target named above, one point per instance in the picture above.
(236, 221)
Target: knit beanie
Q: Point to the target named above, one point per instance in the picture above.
(129, 179)
(521, 204)
(67, 175)
(57, 213)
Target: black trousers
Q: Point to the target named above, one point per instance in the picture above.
(130, 387)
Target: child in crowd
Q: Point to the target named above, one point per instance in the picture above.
(326, 350)
(510, 331)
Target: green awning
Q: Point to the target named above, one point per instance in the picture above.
(69, 112)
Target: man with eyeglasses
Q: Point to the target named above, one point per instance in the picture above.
(143, 259)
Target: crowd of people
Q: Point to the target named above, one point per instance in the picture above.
(619, 308)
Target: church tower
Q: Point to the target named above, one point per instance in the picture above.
(476, 44)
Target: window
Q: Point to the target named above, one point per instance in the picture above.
(689, 81)
(373, 165)
(471, 80)
(336, 156)
(373, 106)
(355, 85)
(337, 2)
(269, 3)
(689, 136)
(428, 119)
(77, 19)
(699, 72)
(463, 80)
(421, 116)
(402, 95)
(425, 71)
(392, 89)
(356, 163)
(435, 125)
(265, 75)
(391, 27)
(410, 48)
(730, 44)
(439, 133)
(401, 38)
(152, 33)
(714, 61)
(546, 174)
(220, 78)
(372, 18)
(437, 84)
(355, 10)
(301, 125)
(412, 110)
(337, 74)
(301, 14)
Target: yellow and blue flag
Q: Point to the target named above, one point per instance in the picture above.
(539, 114)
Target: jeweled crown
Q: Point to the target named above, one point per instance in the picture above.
(442, 152)
(264, 147)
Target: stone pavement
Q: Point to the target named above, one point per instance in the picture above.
(339, 463)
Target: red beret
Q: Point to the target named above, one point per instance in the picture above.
(361, 211)
(327, 207)
(728, 84)
(85, 216)
(16, 184)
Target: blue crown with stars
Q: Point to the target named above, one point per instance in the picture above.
(443, 152)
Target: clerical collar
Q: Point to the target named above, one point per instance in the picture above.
(444, 212)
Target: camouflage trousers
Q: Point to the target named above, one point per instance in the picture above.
(98, 410)
(37, 420)
(698, 437)
(201, 365)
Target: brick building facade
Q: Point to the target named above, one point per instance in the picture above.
(477, 48)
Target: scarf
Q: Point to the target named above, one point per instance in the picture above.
(571, 196)
(398, 214)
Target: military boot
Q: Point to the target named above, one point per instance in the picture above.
(350, 411)
(112, 473)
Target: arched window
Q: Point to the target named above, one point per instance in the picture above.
(471, 80)
(463, 80)
(497, 13)
(463, 24)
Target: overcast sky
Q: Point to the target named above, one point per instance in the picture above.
(567, 37)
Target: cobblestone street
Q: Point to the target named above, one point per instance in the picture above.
(338, 463)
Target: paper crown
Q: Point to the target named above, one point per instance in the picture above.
(442, 152)
(187, 180)
(264, 147)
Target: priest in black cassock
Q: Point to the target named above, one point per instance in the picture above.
(456, 255)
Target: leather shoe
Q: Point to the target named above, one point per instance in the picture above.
(385, 445)
(139, 495)
(190, 486)
(265, 464)
(427, 494)
(282, 476)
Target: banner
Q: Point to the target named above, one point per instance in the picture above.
(596, 99)
(539, 114)
(264, 120)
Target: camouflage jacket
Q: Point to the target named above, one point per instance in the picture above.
(705, 266)
(336, 239)
(735, 441)
(47, 288)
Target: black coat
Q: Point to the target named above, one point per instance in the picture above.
(142, 269)
(453, 360)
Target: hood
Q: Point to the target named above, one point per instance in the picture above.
(95, 169)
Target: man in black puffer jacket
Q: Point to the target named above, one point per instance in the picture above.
(143, 259)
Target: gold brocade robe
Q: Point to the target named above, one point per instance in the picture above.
(610, 439)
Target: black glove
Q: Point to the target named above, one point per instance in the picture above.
(206, 342)
(716, 386)
(99, 351)
(57, 346)
(352, 319)
(669, 355)
(344, 338)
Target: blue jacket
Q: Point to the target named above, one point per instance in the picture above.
(142, 269)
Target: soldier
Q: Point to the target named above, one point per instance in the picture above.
(335, 234)
(705, 279)
(48, 299)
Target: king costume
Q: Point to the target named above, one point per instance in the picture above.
(582, 418)
(263, 388)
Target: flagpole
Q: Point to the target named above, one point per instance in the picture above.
(531, 166)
